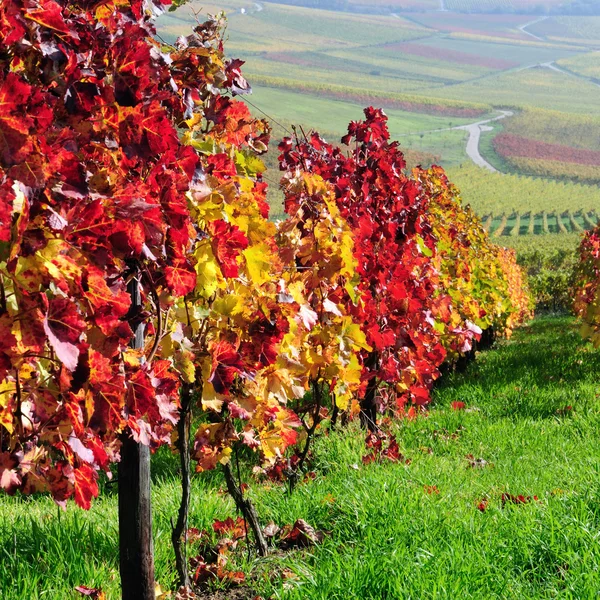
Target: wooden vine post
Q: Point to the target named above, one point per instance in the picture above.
(136, 552)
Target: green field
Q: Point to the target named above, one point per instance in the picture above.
(433, 70)
(569, 29)
(587, 65)
(334, 116)
(537, 87)
(497, 192)
(394, 531)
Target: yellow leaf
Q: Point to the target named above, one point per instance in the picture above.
(225, 456)
(228, 306)
(258, 261)
(8, 390)
(131, 357)
(210, 399)
(184, 363)
(347, 383)
(160, 594)
(351, 335)
(209, 274)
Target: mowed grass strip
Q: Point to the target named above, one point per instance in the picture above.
(531, 415)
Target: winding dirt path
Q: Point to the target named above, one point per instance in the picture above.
(523, 28)
(474, 130)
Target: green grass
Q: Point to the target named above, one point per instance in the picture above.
(388, 537)
(335, 115)
(539, 87)
(494, 193)
(546, 244)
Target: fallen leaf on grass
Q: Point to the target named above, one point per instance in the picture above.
(300, 535)
(378, 450)
(236, 529)
(288, 574)
(458, 405)
(184, 593)
(431, 489)
(271, 530)
(482, 504)
(520, 499)
(94, 593)
(476, 463)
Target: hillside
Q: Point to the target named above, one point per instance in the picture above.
(531, 7)
(443, 78)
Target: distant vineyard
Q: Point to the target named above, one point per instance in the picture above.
(445, 54)
(509, 146)
(499, 39)
(536, 87)
(476, 6)
(479, 6)
(496, 193)
(587, 65)
(548, 143)
(552, 168)
(553, 127)
(570, 29)
(527, 224)
(422, 104)
(497, 25)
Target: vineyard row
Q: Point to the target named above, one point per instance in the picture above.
(544, 222)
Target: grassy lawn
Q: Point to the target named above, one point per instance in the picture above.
(391, 536)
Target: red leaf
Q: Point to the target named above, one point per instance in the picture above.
(458, 405)
(49, 15)
(301, 535)
(86, 486)
(227, 243)
(181, 279)
(235, 529)
(66, 352)
(226, 364)
(94, 593)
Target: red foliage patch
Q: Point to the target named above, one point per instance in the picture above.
(509, 145)
(463, 58)
(393, 103)
(378, 449)
(520, 499)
